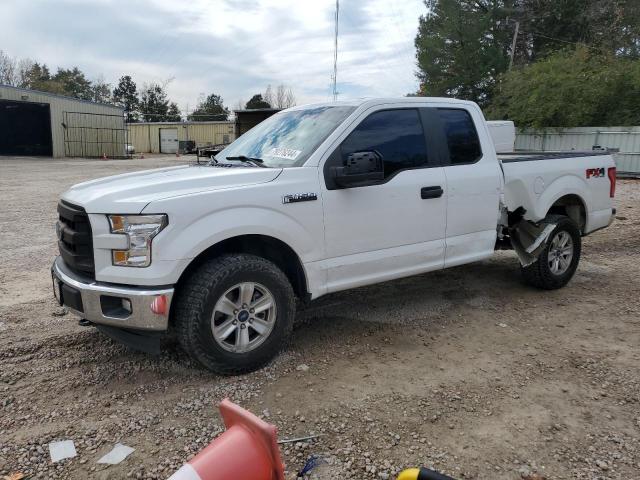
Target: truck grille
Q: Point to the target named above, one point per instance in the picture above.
(74, 238)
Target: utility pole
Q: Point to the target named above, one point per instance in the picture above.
(335, 55)
(513, 44)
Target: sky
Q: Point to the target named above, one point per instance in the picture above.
(234, 48)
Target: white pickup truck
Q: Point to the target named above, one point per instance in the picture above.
(313, 200)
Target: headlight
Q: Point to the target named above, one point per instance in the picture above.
(140, 229)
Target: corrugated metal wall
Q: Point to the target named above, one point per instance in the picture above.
(627, 139)
(94, 135)
(105, 117)
(145, 137)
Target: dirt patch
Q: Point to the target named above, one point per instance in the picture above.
(467, 371)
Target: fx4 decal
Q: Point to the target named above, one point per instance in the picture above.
(595, 172)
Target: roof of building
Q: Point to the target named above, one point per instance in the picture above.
(251, 110)
(190, 122)
(64, 97)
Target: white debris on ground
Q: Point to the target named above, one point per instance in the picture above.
(62, 450)
(117, 454)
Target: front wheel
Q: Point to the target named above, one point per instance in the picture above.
(235, 313)
(558, 261)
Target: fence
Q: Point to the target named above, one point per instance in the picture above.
(626, 140)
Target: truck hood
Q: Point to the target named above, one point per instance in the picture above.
(131, 192)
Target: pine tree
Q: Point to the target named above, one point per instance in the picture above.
(210, 109)
(126, 95)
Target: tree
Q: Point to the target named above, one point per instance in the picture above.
(73, 83)
(462, 47)
(8, 70)
(154, 104)
(571, 88)
(38, 77)
(13, 71)
(126, 95)
(612, 26)
(284, 97)
(100, 90)
(257, 102)
(268, 96)
(24, 66)
(210, 109)
(173, 113)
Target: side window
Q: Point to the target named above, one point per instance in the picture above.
(395, 134)
(462, 137)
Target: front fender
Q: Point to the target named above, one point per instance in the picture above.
(200, 220)
(189, 241)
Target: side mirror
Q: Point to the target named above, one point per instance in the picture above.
(361, 169)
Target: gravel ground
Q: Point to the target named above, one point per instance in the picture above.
(466, 370)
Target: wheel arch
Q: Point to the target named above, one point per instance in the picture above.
(265, 246)
(573, 206)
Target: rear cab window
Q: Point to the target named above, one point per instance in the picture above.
(461, 136)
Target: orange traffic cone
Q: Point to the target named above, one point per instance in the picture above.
(247, 450)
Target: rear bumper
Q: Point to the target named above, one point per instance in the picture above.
(599, 220)
(121, 306)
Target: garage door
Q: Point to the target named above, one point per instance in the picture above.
(25, 129)
(168, 140)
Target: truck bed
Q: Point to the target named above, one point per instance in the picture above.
(534, 183)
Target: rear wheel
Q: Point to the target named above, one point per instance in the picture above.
(235, 313)
(558, 261)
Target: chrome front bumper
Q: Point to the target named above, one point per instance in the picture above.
(120, 306)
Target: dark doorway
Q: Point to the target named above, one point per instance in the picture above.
(25, 129)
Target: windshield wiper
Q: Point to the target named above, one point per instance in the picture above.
(257, 162)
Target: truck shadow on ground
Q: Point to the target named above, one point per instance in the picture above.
(421, 301)
(425, 302)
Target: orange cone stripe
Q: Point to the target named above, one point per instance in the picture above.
(186, 472)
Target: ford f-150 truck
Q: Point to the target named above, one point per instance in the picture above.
(313, 200)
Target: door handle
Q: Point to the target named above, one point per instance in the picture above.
(431, 192)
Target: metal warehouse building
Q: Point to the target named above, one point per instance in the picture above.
(36, 123)
(165, 137)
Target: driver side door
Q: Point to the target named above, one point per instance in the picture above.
(394, 227)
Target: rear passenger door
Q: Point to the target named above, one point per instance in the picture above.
(395, 227)
(473, 187)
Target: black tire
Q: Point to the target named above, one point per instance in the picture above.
(539, 274)
(197, 298)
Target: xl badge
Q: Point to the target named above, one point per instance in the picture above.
(299, 197)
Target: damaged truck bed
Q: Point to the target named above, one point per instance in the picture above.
(539, 187)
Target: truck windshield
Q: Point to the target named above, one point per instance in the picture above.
(288, 138)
